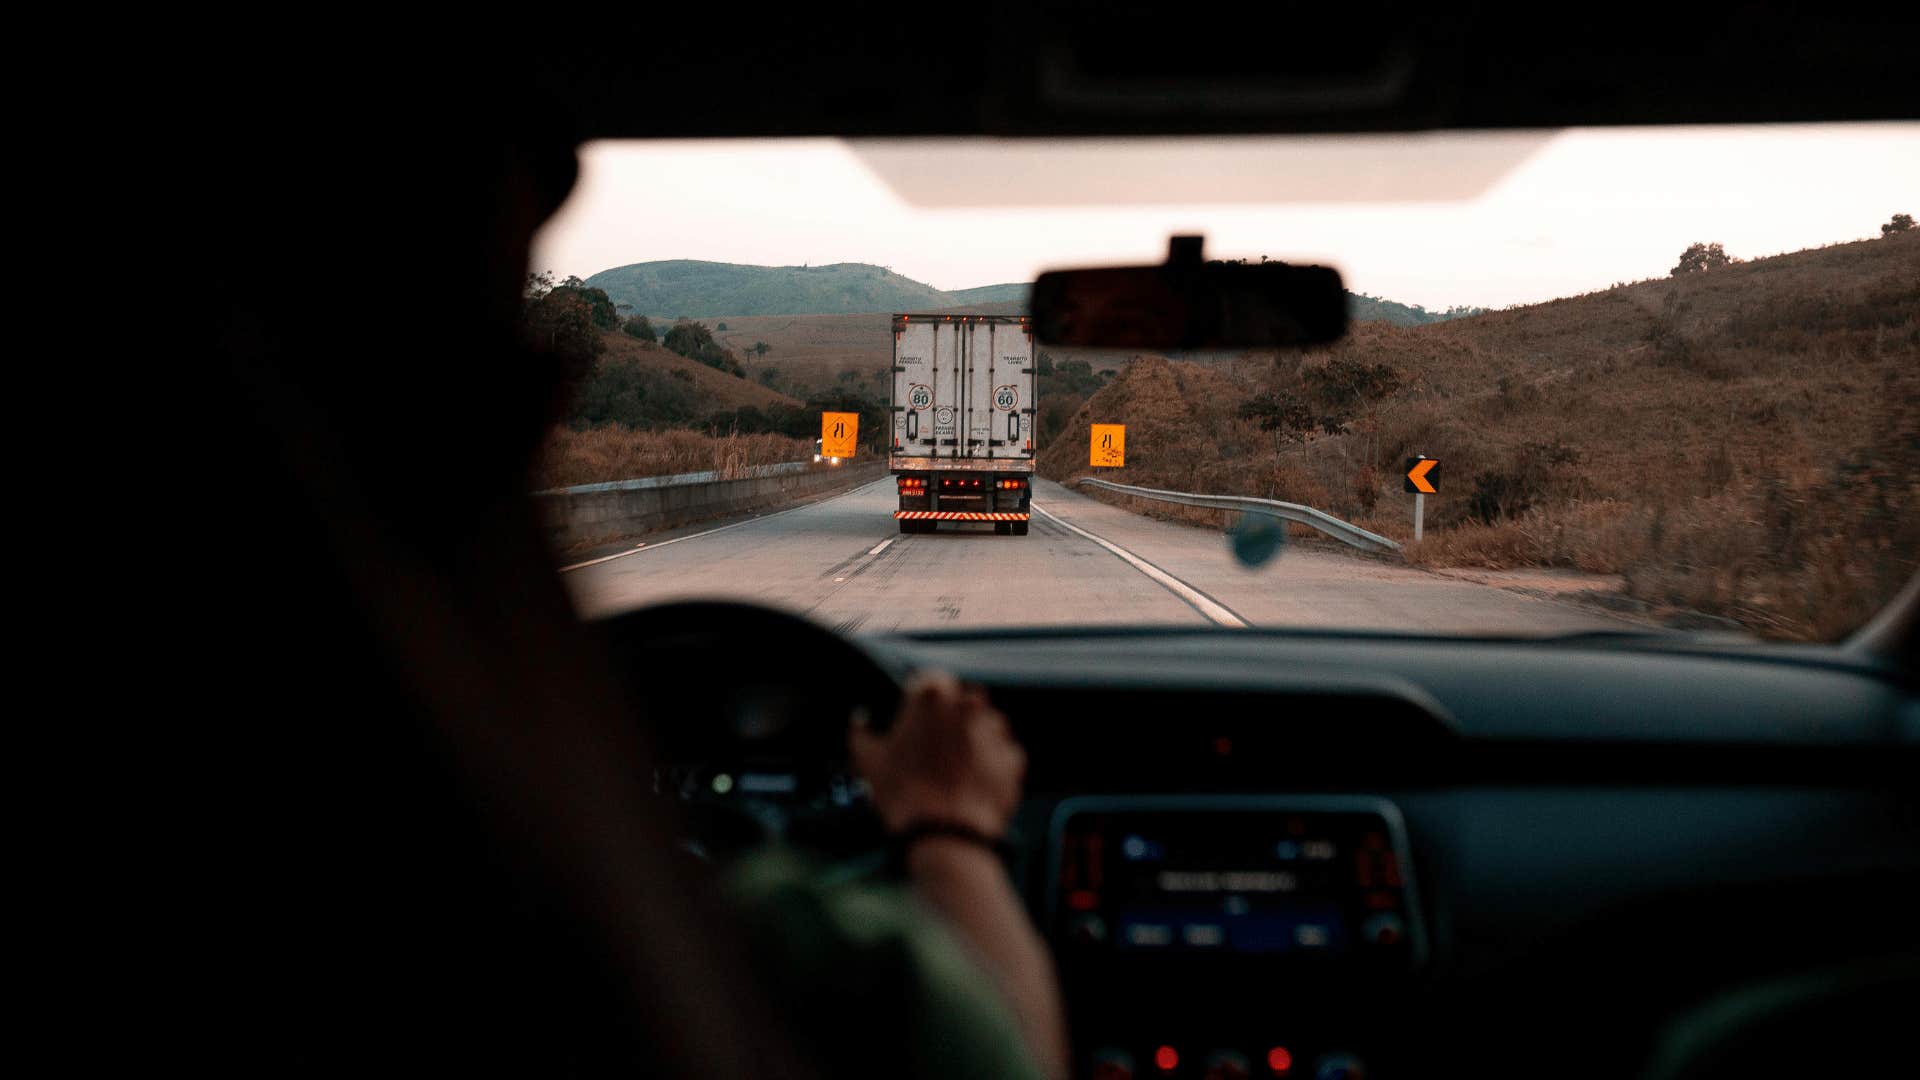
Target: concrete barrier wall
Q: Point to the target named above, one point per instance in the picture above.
(578, 517)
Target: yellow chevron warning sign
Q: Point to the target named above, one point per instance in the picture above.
(1423, 473)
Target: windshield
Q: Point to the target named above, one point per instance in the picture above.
(1595, 380)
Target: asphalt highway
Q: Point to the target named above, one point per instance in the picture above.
(842, 562)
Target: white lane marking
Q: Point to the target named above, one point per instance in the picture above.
(1172, 584)
(881, 546)
(603, 558)
(721, 529)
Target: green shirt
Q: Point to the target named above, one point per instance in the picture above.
(869, 979)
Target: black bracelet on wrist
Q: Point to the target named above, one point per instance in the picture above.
(900, 843)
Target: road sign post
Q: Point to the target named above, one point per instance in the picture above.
(1422, 479)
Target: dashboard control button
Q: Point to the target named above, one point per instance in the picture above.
(1339, 1067)
(1204, 935)
(1227, 1065)
(1088, 929)
(1383, 929)
(1112, 1064)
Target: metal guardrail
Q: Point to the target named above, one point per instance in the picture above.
(749, 472)
(1344, 531)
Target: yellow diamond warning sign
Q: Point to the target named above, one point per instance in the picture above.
(839, 431)
(1109, 446)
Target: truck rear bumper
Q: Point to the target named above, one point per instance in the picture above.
(960, 515)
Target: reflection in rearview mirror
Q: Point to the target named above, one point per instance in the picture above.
(1190, 304)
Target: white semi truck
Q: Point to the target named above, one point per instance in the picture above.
(963, 409)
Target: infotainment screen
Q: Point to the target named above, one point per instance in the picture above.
(1256, 876)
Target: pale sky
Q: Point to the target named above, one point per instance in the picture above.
(1458, 218)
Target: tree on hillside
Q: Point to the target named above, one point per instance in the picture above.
(627, 393)
(559, 322)
(1284, 413)
(639, 327)
(1346, 382)
(1700, 257)
(1354, 390)
(599, 306)
(695, 342)
(761, 349)
(1900, 223)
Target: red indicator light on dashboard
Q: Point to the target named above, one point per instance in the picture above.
(1166, 1059)
(1280, 1060)
(1223, 746)
(1082, 900)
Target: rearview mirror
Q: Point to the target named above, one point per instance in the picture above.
(1190, 304)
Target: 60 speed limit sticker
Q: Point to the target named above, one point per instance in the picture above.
(1006, 398)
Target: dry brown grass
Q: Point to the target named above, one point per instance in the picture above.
(811, 351)
(615, 453)
(1744, 442)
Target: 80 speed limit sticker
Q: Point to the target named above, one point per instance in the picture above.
(919, 396)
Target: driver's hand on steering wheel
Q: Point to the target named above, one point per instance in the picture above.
(949, 759)
(950, 762)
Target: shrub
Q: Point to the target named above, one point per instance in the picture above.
(1537, 471)
(639, 327)
(695, 342)
(559, 324)
(1900, 223)
(623, 392)
(1700, 257)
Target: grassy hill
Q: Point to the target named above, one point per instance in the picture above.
(1364, 308)
(703, 290)
(712, 390)
(713, 290)
(1744, 441)
(1013, 294)
(819, 350)
(646, 411)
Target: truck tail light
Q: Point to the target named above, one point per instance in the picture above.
(1010, 485)
(912, 485)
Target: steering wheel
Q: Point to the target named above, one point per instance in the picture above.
(747, 708)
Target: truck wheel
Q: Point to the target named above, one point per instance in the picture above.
(1003, 528)
(1020, 528)
(909, 527)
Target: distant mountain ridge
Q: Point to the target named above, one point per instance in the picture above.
(695, 289)
(1364, 308)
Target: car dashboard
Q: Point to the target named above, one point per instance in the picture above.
(1322, 855)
